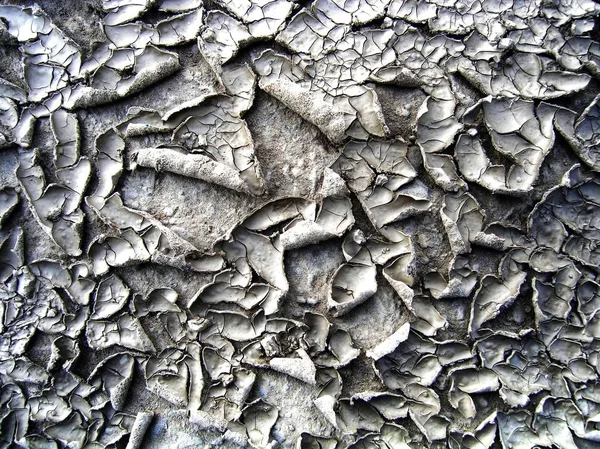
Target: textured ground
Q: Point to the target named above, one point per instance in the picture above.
(362, 224)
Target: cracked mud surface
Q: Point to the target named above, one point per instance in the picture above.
(336, 225)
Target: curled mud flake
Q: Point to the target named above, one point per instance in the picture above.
(496, 292)
(49, 57)
(390, 405)
(463, 220)
(123, 330)
(178, 5)
(179, 29)
(151, 64)
(176, 375)
(48, 407)
(8, 202)
(340, 350)
(276, 212)
(11, 255)
(109, 162)
(521, 132)
(226, 400)
(386, 202)
(196, 166)
(391, 436)
(353, 415)
(64, 352)
(238, 327)
(217, 366)
(523, 75)
(129, 249)
(437, 124)
(264, 256)
(516, 431)
(70, 432)
(412, 11)
(138, 430)
(483, 437)
(123, 11)
(222, 38)
(162, 244)
(160, 300)
(582, 132)
(464, 382)
(352, 284)
(390, 343)
(413, 362)
(66, 132)
(21, 369)
(134, 35)
(311, 31)
(565, 218)
(240, 82)
(111, 296)
(331, 220)
(55, 206)
(577, 52)
(264, 18)
(363, 163)
(300, 366)
(14, 425)
(520, 369)
(425, 413)
(355, 112)
(428, 319)
(308, 441)
(317, 332)
(113, 376)
(246, 297)
(259, 418)
(212, 143)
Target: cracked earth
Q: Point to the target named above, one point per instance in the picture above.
(370, 224)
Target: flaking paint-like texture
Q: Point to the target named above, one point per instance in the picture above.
(326, 224)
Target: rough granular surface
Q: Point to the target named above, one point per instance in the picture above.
(362, 224)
